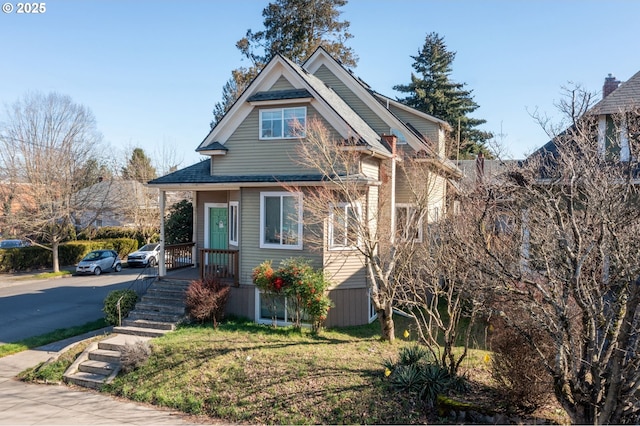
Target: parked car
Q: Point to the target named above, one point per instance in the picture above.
(99, 261)
(6, 244)
(147, 255)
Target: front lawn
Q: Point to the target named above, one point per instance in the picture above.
(248, 373)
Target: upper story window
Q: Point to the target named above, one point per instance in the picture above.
(283, 123)
(344, 219)
(408, 223)
(281, 220)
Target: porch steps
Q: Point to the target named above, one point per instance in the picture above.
(100, 362)
(157, 313)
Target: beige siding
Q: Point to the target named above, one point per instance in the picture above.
(248, 155)
(351, 307)
(345, 269)
(281, 84)
(206, 197)
(424, 126)
(251, 255)
(371, 167)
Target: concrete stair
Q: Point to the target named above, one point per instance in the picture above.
(156, 314)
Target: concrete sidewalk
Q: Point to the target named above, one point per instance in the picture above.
(32, 404)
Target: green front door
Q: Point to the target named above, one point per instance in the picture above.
(219, 240)
(218, 228)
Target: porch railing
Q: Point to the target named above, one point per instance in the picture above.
(220, 263)
(178, 256)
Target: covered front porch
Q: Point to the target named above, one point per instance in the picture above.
(181, 264)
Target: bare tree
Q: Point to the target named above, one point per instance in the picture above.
(353, 209)
(46, 141)
(559, 238)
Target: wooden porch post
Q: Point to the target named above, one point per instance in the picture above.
(162, 267)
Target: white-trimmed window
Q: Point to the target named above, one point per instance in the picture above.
(234, 220)
(344, 219)
(281, 220)
(408, 223)
(283, 123)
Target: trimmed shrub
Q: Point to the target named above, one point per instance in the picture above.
(206, 300)
(36, 257)
(127, 303)
(117, 232)
(134, 355)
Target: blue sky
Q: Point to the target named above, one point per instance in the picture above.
(151, 71)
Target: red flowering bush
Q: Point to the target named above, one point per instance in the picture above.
(304, 287)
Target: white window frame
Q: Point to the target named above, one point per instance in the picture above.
(345, 246)
(234, 221)
(283, 123)
(268, 320)
(281, 194)
(409, 206)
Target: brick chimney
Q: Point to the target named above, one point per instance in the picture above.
(610, 84)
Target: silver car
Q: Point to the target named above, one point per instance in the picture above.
(99, 261)
(147, 255)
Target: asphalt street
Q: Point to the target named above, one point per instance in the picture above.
(30, 307)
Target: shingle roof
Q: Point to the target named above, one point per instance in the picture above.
(277, 95)
(199, 173)
(625, 97)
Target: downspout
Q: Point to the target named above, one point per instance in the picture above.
(162, 267)
(194, 226)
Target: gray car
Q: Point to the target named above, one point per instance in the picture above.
(147, 255)
(99, 261)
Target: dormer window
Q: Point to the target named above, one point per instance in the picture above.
(283, 123)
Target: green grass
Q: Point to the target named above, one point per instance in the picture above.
(248, 373)
(54, 336)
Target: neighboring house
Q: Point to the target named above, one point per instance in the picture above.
(243, 213)
(616, 118)
(15, 198)
(126, 203)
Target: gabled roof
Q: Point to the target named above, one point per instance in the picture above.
(337, 112)
(625, 97)
(377, 102)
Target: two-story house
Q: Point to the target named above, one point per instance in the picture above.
(242, 212)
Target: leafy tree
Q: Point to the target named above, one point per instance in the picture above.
(46, 145)
(432, 91)
(139, 167)
(178, 227)
(295, 29)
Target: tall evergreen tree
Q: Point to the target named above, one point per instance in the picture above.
(139, 167)
(295, 29)
(432, 91)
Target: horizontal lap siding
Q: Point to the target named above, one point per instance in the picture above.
(281, 84)
(424, 126)
(345, 270)
(248, 155)
(206, 197)
(251, 253)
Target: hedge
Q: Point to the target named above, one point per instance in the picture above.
(35, 257)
